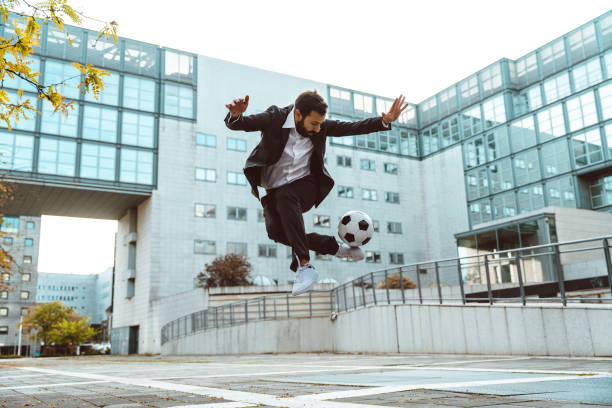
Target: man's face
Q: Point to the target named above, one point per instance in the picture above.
(310, 125)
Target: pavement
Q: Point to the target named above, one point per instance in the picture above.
(306, 380)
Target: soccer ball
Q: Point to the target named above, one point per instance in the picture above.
(355, 228)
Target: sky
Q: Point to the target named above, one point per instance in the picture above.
(382, 47)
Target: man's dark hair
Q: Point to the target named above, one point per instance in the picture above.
(309, 101)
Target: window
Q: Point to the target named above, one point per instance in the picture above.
(581, 111)
(497, 143)
(25, 277)
(368, 194)
(555, 158)
(601, 191)
(494, 111)
(556, 88)
(586, 74)
(450, 131)
(206, 174)
(396, 258)
(24, 295)
(582, 43)
(100, 124)
(136, 166)
(394, 227)
(375, 225)
(320, 220)
(137, 129)
(236, 178)
(139, 93)
(4, 294)
(3, 311)
(605, 98)
(178, 100)
(500, 174)
(29, 242)
(98, 161)
(561, 192)
(343, 161)
(178, 66)
(110, 96)
(390, 168)
(551, 123)
(587, 147)
(553, 58)
(504, 205)
(203, 139)
(345, 192)
(474, 152)
(236, 213)
(266, 250)
(204, 247)
(24, 311)
(491, 79)
(372, 257)
(527, 167)
(468, 89)
(367, 164)
(16, 151)
(260, 215)
(392, 197)
(238, 145)
(531, 198)
(7, 241)
(471, 121)
(3, 330)
(239, 248)
(57, 156)
(29, 224)
(63, 74)
(205, 210)
(522, 133)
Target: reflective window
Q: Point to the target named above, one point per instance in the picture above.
(561, 192)
(388, 141)
(320, 221)
(468, 89)
(238, 145)
(139, 58)
(57, 156)
(203, 139)
(363, 104)
(396, 258)
(372, 256)
(29, 242)
(531, 198)
(204, 247)
(137, 129)
(429, 111)
(103, 53)
(340, 101)
(369, 141)
(449, 130)
(605, 99)
(601, 192)
(65, 76)
(178, 100)
(551, 123)
(237, 213)
(409, 143)
(581, 111)
(110, 94)
(480, 211)
(608, 64)
(587, 147)
(447, 101)
(491, 80)
(367, 164)
(266, 250)
(608, 132)
(555, 158)
(16, 151)
(474, 152)
(500, 174)
(556, 88)
(553, 57)
(471, 122)
(494, 111)
(139, 93)
(522, 133)
(430, 140)
(239, 248)
(497, 143)
(205, 210)
(526, 167)
(58, 124)
(582, 43)
(586, 74)
(345, 192)
(368, 194)
(394, 227)
(477, 183)
(205, 174)
(136, 166)
(236, 178)
(66, 44)
(391, 197)
(390, 168)
(178, 66)
(99, 124)
(343, 161)
(527, 70)
(504, 205)
(98, 161)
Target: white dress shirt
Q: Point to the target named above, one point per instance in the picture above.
(294, 163)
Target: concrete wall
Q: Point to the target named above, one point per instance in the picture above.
(576, 330)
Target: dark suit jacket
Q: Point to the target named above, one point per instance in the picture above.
(274, 138)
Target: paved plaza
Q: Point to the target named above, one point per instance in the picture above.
(306, 380)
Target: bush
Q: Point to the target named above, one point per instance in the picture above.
(394, 283)
(226, 270)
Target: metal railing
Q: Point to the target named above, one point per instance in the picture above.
(271, 307)
(573, 271)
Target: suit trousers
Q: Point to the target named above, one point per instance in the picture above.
(283, 209)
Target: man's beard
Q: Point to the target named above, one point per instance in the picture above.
(301, 129)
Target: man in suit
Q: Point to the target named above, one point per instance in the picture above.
(288, 163)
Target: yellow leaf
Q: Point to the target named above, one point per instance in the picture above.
(20, 93)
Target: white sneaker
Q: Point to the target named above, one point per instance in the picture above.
(352, 253)
(305, 279)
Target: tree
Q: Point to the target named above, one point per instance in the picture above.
(226, 270)
(393, 282)
(16, 52)
(56, 323)
(6, 259)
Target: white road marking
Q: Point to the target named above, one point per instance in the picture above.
(20, 376)
(408, 387)
(21, 387)
(505, 370)
(476, 361)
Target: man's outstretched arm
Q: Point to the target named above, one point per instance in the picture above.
(235, 120)
(379, 124)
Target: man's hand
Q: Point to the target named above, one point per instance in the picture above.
(238, 106)
(395, 111)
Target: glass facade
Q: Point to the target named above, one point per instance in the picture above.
(110, 139)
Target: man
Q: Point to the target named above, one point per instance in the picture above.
(288, 163)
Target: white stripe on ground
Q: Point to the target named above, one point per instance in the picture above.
(476, 361)
(218, 405)
(504, 370)
(408, 387)
(21, 387)
(238, 396)
(20, 376)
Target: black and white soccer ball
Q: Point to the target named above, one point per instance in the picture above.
(355, 228)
